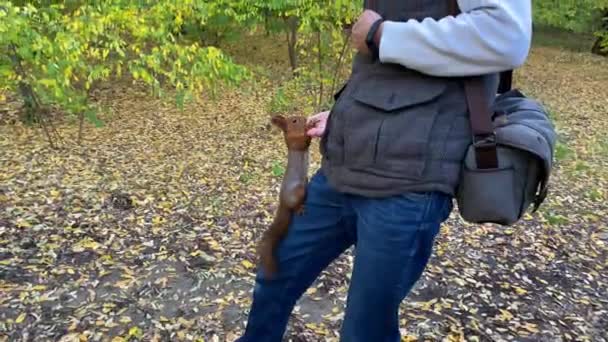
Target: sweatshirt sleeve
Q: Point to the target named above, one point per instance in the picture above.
(488, 36)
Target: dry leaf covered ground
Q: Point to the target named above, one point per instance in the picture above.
(147, 232)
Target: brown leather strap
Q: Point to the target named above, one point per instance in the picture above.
(453, 6)
(484, 140)
(506, 81)
(371, 4)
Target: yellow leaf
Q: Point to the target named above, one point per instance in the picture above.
(72, 337)
(214, 245)
(73, 326)
(135, 331)
(460, 282)
(311, 326)
(311, 290)
(520, 291)
(505, 315)
(247, 264)
(531, 328)
(23, 223)
(184, 322)
(21, 318)
(86, 243)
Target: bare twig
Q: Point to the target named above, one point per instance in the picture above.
(320, 70)
(339, 66)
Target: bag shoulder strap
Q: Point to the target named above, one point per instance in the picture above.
(506, 81)
(484, 140)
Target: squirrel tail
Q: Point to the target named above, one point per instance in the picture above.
(271, 239)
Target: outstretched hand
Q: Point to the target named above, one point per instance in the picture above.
(317, 124)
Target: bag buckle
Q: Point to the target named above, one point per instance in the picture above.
(485, 151)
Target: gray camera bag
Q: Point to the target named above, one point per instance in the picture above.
(507, 166)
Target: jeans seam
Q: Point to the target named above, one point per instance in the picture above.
(423, 223)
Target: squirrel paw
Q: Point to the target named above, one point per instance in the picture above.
(299, 210)
(269, 265)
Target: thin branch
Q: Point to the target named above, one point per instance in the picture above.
(320, 70)
(339, 66)
(30, 96)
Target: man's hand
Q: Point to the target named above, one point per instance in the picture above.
(317, 124)
(361, 28)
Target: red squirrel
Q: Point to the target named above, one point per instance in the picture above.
(293, 188)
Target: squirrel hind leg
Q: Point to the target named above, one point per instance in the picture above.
(267, 258)
(299, 210)
(294, 196)
(269, 264)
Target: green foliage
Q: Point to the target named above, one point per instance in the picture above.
(319, 41)
(581, 16)
(60, 53)
(573, 15)
(562, 151)
(279, 102)
(278, 169)
(555, 219)
(601, 45)
(55, 53)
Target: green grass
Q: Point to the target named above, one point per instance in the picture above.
(555, 37)
(562, 151)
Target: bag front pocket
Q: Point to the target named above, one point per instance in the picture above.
(488, 195)
(388, 124)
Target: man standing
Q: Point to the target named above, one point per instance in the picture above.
(392, 149)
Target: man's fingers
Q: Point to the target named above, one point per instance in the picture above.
(316, 124)
(316, 118)
(312, 120)
(316, 131)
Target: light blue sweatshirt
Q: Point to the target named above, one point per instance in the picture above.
(488, 36)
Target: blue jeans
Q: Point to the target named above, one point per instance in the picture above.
(393, 240)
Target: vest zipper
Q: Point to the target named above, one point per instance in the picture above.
(378, 140)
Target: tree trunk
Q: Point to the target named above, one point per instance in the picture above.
(267, 23)
(339, 65)
(596, 49)
(29, 103)
(292, 40)
(80, 127)
(597, 46)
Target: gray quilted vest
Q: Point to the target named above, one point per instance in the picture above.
(394, 130)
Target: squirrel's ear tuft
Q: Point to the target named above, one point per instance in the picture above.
(280, 122)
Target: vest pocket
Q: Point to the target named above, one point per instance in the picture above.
(388, 124)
